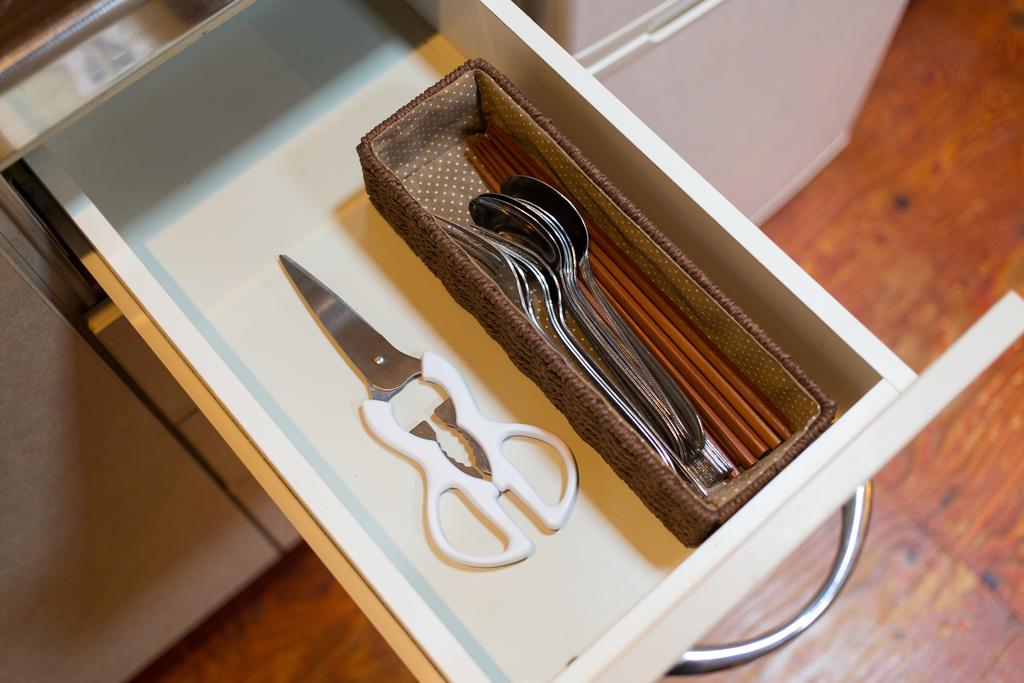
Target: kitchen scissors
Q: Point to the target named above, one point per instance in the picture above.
(387, 371)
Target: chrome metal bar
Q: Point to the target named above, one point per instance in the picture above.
(73, 55)
(706, 659)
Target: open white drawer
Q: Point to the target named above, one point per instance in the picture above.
(188, 185)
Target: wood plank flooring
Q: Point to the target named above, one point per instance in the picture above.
(917, 227)
(293, 624)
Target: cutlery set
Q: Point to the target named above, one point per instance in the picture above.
(737, 419)
(532, 236)
(681, 393)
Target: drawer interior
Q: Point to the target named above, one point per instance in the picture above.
(242, 148)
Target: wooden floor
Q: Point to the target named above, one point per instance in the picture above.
(917, 228)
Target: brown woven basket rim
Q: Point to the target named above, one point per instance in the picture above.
(670, 485)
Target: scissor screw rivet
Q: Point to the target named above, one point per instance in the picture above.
(378, 360)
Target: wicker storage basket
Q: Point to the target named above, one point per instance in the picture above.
(414, 166)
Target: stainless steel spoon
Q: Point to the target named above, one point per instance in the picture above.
(680, 419)
(546, 281)
(633, 390)
(627, 357)
(566, 216)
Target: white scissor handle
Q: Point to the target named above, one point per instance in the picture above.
(492, 436)
(442, 476)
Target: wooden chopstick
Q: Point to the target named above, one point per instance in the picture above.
(733, 448)
(750, 419)
(509, 159)
(726, 373)
(503, 141)
(643, 323)
(483, 168)
(689, 357)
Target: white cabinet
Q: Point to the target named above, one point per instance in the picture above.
(115, 541)
(191, 182)
(758, 96)
(168, 399)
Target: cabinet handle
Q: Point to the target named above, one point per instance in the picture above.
(651, 28)
(708, 658)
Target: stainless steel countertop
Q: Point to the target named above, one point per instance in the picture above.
(59, 58)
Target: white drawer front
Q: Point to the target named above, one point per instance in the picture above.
(191, 182)
(780, 83)
(578, 24)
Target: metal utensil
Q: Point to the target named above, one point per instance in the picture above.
(635, 390)
(530, 227)
(386, 371)
(566, 217)
(550, 296)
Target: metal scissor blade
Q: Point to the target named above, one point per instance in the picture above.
(424, 431)
(385, 368)
(446, 413)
